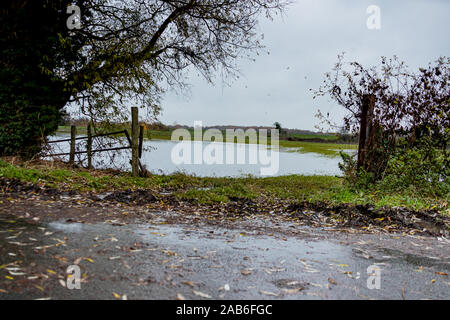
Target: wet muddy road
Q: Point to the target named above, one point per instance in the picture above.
(253, 259)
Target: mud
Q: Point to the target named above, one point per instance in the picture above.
(319, 214)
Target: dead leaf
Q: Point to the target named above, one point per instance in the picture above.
(268, 293)
(189, 283)
(201, 294)
(291, 291)
(330, 280)
(116, 295)
(246, 272)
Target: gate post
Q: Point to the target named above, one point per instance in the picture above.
(366, 122)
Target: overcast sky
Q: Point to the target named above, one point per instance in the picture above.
(303, 45)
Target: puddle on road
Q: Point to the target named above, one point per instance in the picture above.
(215, 256)
(263, 248)
(269, 248)
(415, 260)
(66, 227)
(185, 238)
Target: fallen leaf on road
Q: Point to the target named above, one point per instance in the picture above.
(271, 270)
(116, 295)
(189, 283)
(291, 291)
(268, 293)
(201, 294)
(246, 272)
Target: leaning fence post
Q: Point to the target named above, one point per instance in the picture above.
(134, 141)
(89, 146)
(73, 133)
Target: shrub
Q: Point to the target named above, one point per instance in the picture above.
(357, 179)
(422, 169)
(23, 128)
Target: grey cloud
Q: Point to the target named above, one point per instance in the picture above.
(305, 43)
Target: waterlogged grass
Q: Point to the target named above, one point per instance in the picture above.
(292, 188)
(325, 137)
(326, 149)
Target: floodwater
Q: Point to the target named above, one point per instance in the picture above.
(158, 158)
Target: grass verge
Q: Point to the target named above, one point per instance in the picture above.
(293, 188)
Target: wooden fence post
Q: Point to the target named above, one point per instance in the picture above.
(89, 146)
(73, 133)
(365, 132)
(141, 139)
(134, 141)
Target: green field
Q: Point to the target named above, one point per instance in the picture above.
(292, 188)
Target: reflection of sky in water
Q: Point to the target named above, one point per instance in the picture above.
(157, 159)
(66, 227)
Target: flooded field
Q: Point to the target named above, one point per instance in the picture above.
(157, 158)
